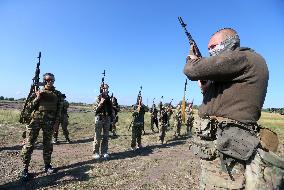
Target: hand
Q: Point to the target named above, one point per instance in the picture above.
(193, 52)
(102, 101)
(38, 94)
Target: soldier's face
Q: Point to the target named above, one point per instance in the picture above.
(49, 81)
(105, 89)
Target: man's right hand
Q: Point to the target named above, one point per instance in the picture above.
(38, 93)
(193, 52)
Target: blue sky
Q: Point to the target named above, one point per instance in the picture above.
(136, 42)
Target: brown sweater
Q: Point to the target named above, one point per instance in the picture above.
(239, 84)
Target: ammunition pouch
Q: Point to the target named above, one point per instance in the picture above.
(237, 140)
(204, 142)
(268, 139)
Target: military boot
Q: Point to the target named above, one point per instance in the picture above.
(55, 141)
(49, 169)
(25, 175)
(68, 140)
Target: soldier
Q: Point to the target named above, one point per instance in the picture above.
(104, 112)
(63, 122)
(163, 124)
(189, 119)
(137, 123)
(154, 118)
(169, 113)
(178, 120)
(47, 106)
(116, 109)
(234, 90)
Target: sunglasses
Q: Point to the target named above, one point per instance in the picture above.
(49, 80)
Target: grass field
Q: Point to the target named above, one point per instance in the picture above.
(170, 166)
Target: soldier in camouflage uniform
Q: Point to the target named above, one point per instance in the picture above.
(169, 110)
(189, 120)
(104, 113)
(232, 146)
(137, 123)
(154, 118)
(46, 106)
(63, 122)
(178, 121)
(116, 109)
(163, 124)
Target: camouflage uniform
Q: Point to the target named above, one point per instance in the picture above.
(189, 121)
(163, 124)
(102, 123)
(116, 109)
(47, 111)
(178, 120)
(154, 118)
(137, 125)
(63, 122)
(169, 113)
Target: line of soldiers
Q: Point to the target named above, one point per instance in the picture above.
(232, 146)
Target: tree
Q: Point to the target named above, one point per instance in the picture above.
(1, 97)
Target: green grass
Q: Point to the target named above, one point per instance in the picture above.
(10, 116)
(82, 124)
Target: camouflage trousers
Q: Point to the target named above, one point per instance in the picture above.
(102, 125)
(177, 126)
(64, 124)
(189, 125)
(263, 171)
(113, 124)
(154, 121)
(163, 128)
(32, 132)
(136, 134)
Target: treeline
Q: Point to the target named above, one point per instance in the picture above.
(275, 110)
(11, 99)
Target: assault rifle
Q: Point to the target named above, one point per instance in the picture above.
(103, 82)
(183, 102)
(190, 39)
(26, 113)
(192, 43)
(161, 105)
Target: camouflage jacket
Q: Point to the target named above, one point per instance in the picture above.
(178, 117)
(49, 104)
(65, 107)
(138, 117)
(105, 109)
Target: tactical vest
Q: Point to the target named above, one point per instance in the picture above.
(48, 101)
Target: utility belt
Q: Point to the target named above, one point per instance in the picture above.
(102, 116)
(233, 141)
(231, 138)
(44, 114)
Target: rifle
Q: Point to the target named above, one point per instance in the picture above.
(170, 104)
(103, 81)
(183, 102)
(191, 42)
(190, 39)
(25, 114)
(138, 98)
(161, 104)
